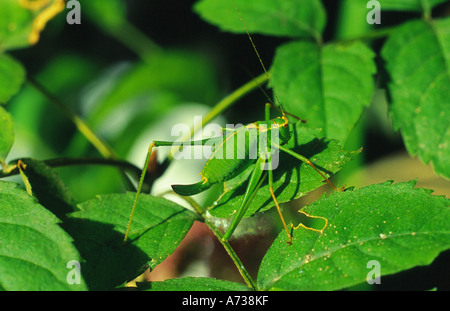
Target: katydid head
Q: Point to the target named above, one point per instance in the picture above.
(283, 129)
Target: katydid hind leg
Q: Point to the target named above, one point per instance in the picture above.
(274, 198)
(253, 185)
(314, 217)
(307, 161)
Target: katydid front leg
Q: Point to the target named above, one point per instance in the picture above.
(158, 143)
(307, 161)
(141, 182)
(274, 198)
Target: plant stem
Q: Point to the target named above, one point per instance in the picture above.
(135, 40)
(225, 103)
(371, 35)
(230, 251)
(426, 10)
(102, 147)
(234, 257)
(231, 99)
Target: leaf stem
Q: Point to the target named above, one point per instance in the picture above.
(426, 10)
(135, 40)
(226, 103)
(232, 98)
(230, 251)
(371, 35)
(234, 257)
(102, 147)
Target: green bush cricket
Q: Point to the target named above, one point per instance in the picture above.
(267, 137)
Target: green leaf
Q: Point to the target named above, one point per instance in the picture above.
(48, 188)
(409, 5)
(193, 284)
(6, 134)
(12, 75)
(329, 86)
(34, 250)
(292, 179)
(17, 23)
(296, 18)
(396, 225)
(418, 60)
(99, 228)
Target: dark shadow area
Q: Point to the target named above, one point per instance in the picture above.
(108, 263)
(436, 276)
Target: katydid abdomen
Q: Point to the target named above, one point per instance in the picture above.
(230, 157)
